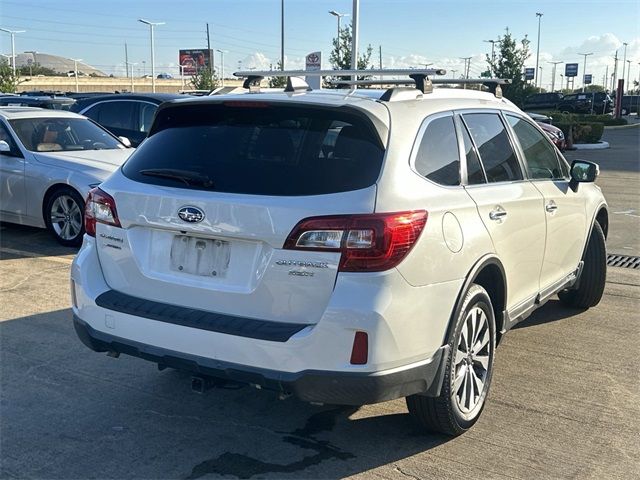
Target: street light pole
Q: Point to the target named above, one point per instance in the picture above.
(282, 35)
(153, 59)
(222, 52)
(628, 72)
(493, 53)
(584, 73)
(13, 46)
(354, 38)
(75, 71)
(539, 15)
(624, 60)
(540, 86)
(553, 75)
(339, 17)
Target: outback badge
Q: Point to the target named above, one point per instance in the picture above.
(191, 214)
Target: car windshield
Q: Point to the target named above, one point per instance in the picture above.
(62, 135)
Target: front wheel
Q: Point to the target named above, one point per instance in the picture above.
(594, 274)
(468, 370)
(64, 216)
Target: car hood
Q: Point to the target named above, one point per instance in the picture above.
(99, 159)
(549, 128)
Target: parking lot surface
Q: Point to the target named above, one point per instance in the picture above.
(564, 403)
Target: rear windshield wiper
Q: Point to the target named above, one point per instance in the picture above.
(186, 176)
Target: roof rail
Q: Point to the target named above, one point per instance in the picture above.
(420, 77)
(493, 84)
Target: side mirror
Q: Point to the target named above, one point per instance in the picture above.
(583, 172)
(125, 141)
(4, 147)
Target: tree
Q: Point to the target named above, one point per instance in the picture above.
(278, 82)
(340, 57)
(36, 69)
(8, 81)
(509, 64)
(204, 79)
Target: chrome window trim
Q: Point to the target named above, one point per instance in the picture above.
(418, 141)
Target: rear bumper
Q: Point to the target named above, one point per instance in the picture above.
(331, 387)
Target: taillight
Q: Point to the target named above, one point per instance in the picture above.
(368, 243)
(100, 207)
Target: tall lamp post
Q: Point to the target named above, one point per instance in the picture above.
(584, 73)
(628, 72)
(624, 59)
(354, 37)
(75, 71)
(13, 46)
(338, 16)
(493, 53)
(222, 52)
(539, 15)
(153, 59)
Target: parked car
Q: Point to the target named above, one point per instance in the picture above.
(630, 104)
(49, 160)
(165, 76)
(128, 115)
(51, 103)
(299, 243)
(588, 102)
(555, 134)
(542, 101)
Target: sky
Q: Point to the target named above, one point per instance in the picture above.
(410, 33)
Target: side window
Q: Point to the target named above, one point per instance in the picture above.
(497, 156)
(539, 155)
(4, 135)
(94, 112)
(117, 115)
(438, 158)
(475, 175)
(147, 111)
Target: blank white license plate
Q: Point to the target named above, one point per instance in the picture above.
(207, 257)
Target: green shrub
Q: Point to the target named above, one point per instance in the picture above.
(607, 120)
(583, 132)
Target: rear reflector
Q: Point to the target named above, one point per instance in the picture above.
(360, 351)
(368, 243)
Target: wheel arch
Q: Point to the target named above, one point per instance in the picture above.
(53, 188)
(602, 217)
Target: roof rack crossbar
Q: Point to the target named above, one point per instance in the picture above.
(340, 73)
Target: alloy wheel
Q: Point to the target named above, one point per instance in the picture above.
(66, 217)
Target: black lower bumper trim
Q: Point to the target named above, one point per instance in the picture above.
(339, 388)
(194, 318)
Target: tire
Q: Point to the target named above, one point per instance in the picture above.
(454, 412)
(593, 276)
(64, 216)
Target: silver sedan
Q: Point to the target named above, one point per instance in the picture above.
(49, 160)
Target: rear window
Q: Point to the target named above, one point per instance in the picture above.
(259, 149)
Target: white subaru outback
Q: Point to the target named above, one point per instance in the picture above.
(345, 247)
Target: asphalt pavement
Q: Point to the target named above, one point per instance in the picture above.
(564, 403)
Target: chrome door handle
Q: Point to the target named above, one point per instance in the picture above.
(497, 214)
(551, 207)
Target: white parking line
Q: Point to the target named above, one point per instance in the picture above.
(24, 253)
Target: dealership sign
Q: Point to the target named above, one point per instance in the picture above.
(313, 61)
(571, 70)
(194, 60)
(588, 79)
(529, 73)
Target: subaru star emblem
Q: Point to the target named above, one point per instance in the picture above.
(191, 214)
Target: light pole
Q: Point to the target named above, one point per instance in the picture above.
(628, 72)
(584, 73)
(539, 15)
(354, 37)
(540, 72)
(624, 60)
(493, 53)
(75, 71)
(282, 35)
(338, 16)
(561, 81)
(13, 46)
(144, 68)
(222, 52)
(553, 75)
(153, 59)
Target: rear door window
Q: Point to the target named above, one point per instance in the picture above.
(117, 114)
(496, 154)
(260, 149)
(438, 158)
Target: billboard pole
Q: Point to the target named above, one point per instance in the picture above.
(211, 69)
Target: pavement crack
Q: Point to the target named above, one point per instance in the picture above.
(402, 472)
(28, 277)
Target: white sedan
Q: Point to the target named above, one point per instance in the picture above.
(49, 160)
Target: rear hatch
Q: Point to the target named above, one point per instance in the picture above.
(207, 202)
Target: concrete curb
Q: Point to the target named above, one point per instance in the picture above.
(591, 146)
(622, 127)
